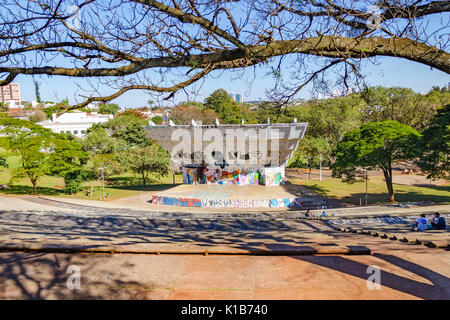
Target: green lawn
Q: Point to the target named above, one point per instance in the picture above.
(124, 186)
(114, 189)
(377, 191)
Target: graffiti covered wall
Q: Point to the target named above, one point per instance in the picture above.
(222, 176)
(216, 175)
(274, 176)
(236, 203)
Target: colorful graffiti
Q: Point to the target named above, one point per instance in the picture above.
(190, 175)
(234, 203)
(220, 176)
(274, 176)
(215, 175)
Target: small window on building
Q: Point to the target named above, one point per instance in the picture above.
(75, 131)
(83, 131)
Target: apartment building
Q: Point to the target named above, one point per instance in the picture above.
(10, 94)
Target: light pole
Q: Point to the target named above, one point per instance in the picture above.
(367, 178)
(307, 174)
(320, 170)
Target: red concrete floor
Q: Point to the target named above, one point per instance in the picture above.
(421, 273)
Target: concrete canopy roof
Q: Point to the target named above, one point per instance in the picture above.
(242, 146)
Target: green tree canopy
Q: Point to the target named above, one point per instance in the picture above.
(184, 114)
(33, 143)
(41, 151)
(106, 141)
(67, 160)
(36, 91)
(100, 142)
(145, 160)
(157, 120)
(128, 129)
(229, 110)
(108, 108)
(328, 121)
(435, 145)
(376, 144)
(402, 105)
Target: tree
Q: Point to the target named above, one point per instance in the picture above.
(3, 107)
(128, 129)
(229, 110)
(269, 110)
(67, 160)
(157, 120)
(38, 116)
(57, 108)
(104, 160)
(328, 121)
(105, 141)
(313, 148)
(209, 116)
(132, 112)
(402, 105)
(193, 38)
(109, 108)
(146, 160)
(185, 114)
(33, 143)
(196, 104)
(376, 144)
(42, 152)
(221, 102)
(36, 91)
(3, 162)
(435, 145)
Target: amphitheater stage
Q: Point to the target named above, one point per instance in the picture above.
(233, 196)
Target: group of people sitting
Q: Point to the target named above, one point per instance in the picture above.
(438, 223)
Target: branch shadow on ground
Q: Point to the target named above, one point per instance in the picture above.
(93, 232)
(20, 189)
(377, 198)
(37, 276)
(439, 289)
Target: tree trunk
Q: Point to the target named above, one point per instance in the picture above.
(34, 182)
(388, 178)
(144, 178)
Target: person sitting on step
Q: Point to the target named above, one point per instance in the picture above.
(421, 223)
(438, 222)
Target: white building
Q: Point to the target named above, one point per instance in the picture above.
(336, 93)
(77, 123)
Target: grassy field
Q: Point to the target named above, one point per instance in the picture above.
(124, 186)
(377, 192)
(114, 189)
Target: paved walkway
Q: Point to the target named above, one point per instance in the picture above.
(197, 255)
(140, 204)
(403, 275)
(54, 231)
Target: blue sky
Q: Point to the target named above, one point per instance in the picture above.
(389, 72)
